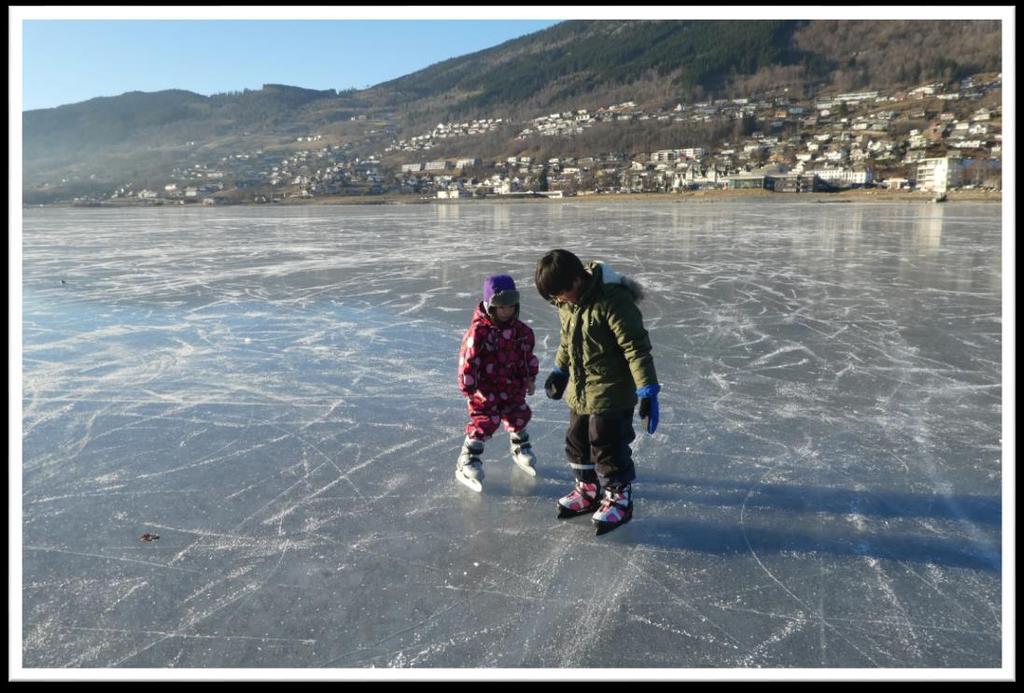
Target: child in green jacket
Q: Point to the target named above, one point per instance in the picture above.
(603, 367)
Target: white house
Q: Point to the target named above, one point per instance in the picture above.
(844, 177)
(665, 155)
(897, 183)
(853, 97)
(925, 90)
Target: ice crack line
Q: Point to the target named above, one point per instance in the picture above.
(191, 636)
(746, 539)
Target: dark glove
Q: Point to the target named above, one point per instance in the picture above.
(554, 386)
(648, 395)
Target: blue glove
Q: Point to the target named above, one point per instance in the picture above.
(648, 395)
(554, 386)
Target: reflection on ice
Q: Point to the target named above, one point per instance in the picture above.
(272, 392)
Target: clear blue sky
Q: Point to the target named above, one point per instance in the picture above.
(71, 54)
(68, 61)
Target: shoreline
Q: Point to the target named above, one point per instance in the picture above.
(702, 196)
(871, 195)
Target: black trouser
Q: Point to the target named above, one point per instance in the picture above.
(597, 447)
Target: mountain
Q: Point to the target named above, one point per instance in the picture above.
(137, 132)
(575, 60)
(574, 64)
(583, 62)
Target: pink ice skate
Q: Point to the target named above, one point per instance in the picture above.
(583, 499)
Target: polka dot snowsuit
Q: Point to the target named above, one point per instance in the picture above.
(496, 365)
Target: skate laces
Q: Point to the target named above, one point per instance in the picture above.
(519, 444)
(613, 497)
(582, 488)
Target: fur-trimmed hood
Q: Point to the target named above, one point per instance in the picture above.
(603, 272)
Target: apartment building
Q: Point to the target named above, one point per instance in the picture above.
(938, 175)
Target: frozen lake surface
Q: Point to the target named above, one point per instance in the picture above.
(272, 392)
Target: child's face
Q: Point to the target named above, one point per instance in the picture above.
(504, 313)
(572, 295)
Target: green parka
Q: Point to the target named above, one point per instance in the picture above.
(604, 346)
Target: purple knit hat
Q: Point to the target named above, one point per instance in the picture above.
(500, 290)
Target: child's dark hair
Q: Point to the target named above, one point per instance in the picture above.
(557, 272)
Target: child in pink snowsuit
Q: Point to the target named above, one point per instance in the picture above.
(497, 370)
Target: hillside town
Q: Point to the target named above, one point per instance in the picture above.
(935, 137)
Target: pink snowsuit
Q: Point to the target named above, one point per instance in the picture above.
(496, 365)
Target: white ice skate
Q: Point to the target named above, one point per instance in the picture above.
(469, 470)
(522, 452)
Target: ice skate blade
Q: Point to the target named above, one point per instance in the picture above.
(605, 527)
(565, 514)
(471, 484)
